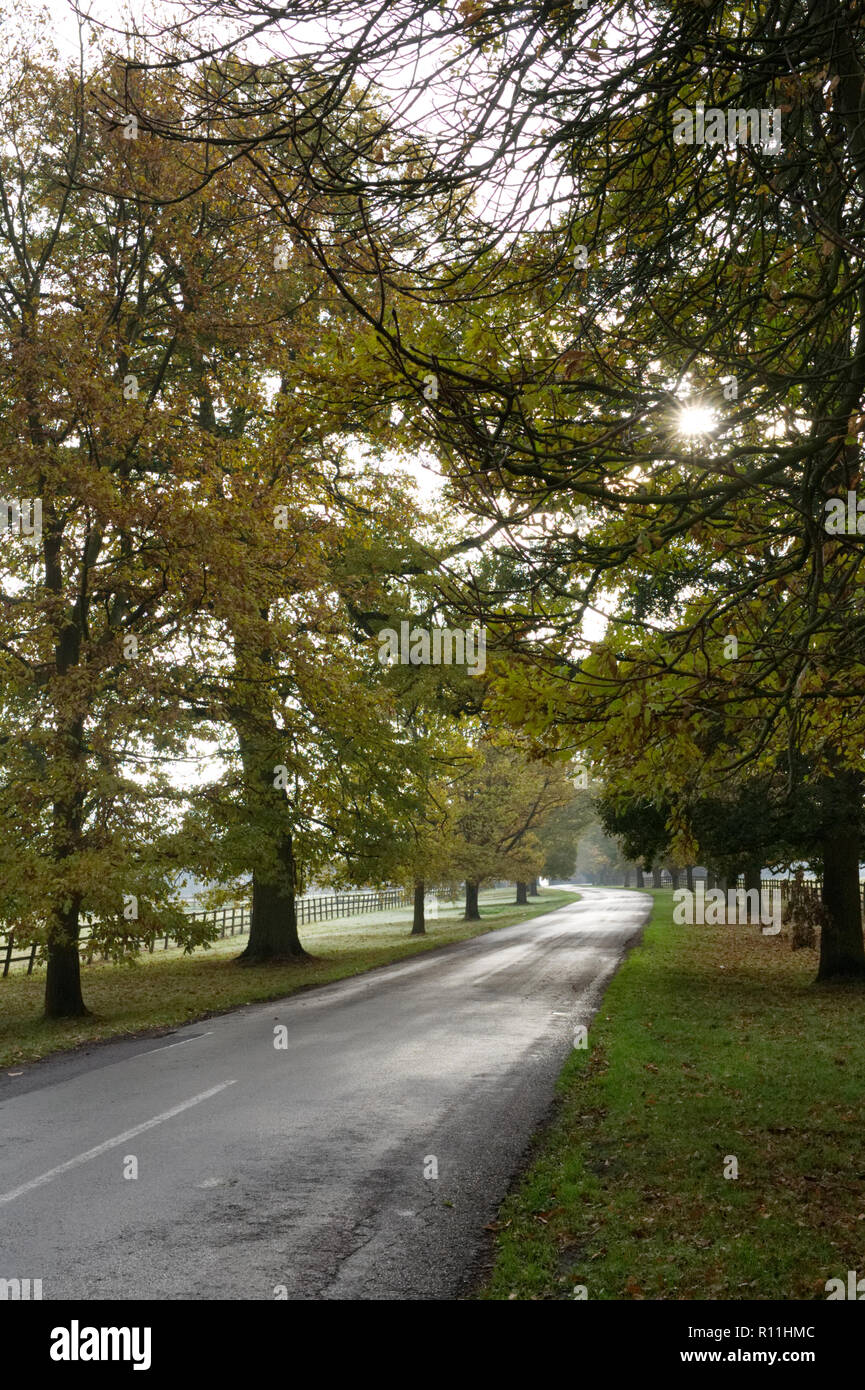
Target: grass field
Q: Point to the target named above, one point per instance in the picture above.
(712, 1043)
(164, 990)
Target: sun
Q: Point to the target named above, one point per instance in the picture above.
(696, 419)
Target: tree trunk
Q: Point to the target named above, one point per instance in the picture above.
(472, 910)
(674, 877)
(711, 880)
(689, 877)
(656, 878)
(627, 877)
(418, 922)
(753, 870)
(273, 933)
(640, 880)
(63, 997)
(534, 890)
(522, 894)
(842, 956)
(753, 874)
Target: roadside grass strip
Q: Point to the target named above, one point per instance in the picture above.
(713, 1053)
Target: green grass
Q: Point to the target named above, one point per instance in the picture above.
(711, 1041)
(161, 991)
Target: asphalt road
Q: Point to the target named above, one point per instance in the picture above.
(299, 1171)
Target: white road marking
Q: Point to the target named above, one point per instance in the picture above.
(182, 1043)
(111, 1143)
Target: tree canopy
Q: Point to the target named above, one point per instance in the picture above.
(603, 266)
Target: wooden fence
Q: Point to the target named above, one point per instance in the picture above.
(811, 887)
(232, 921)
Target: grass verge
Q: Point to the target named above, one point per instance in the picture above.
(157, 993)
(711, 1043)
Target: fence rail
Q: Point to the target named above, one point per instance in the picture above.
(231, 921)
